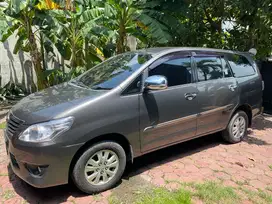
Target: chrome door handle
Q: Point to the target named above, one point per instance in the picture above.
(232, 87)
(190, 96)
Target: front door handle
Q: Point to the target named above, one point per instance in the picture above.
(190, 96)
(232, 87)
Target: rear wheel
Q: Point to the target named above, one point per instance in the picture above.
(237, 128)
(100, 167)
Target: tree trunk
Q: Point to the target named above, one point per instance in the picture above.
(122, 37)
(36, 58)
(69, 5)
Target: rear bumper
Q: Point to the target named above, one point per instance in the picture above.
(53, 161)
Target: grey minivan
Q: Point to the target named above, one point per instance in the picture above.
(129, 105)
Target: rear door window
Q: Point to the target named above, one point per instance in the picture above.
(209, 68)
(240, 65)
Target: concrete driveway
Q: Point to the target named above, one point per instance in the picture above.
(247, 164)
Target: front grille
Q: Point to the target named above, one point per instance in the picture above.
(13, 124)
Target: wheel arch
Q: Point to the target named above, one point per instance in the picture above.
(115, 137)
(247, 109)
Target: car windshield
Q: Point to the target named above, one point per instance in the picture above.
(112, 72)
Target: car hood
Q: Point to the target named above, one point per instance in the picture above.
(47, 104)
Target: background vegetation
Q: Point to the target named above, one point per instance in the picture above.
(83, 33)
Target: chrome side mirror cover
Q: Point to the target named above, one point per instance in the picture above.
(156, 82)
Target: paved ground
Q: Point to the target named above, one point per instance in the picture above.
(248, 164)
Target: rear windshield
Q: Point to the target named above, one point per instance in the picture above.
(112, 72)
(240, 65)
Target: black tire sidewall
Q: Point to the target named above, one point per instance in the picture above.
(78, 174)
(230, 135)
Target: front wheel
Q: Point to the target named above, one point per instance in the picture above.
(237, 128)
(100, 167)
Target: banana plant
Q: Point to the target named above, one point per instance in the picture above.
(77, 34)
(138, 18)
(41, 25)
(71, 33)
(19, 17)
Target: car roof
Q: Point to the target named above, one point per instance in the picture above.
(160, 50)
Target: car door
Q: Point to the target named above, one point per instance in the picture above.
(217, 92)
(168, 116)
(250, 84)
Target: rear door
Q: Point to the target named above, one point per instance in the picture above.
(217, 92)
(249, 81)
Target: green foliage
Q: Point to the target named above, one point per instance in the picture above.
(91, 31)
(207, 192)
(57, 76)
(211, 192)
(163, 196)
(8, 194)
(270, 167)
(11, 91)
(3, 126)
(237, 25)
(259, 196)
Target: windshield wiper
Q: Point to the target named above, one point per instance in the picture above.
(79, 83)
(100, 88)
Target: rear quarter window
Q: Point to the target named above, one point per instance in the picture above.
(240, 65)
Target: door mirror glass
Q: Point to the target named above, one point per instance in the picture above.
(156, 82)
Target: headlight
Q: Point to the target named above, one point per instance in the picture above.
(46, 131)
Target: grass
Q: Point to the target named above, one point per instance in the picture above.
(270, 167)
(3, 125)
(265, 196)
(163, 196)
(208, 192)
(241, 183)
(269, 188)
(212, 192)
(259, 197)
(8, 194)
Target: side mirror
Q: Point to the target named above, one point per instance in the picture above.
(156, 82)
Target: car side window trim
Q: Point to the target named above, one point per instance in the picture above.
(226, 60)
(168, 57)
(123, 93)
(227, 63)
(206, 54)
(249, 61)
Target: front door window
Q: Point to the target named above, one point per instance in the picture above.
(178, 71)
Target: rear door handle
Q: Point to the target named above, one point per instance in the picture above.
(232, 87)
(190, 96)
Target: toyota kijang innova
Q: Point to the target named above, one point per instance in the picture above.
(129, 105)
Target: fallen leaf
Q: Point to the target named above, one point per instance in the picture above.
(239, 164)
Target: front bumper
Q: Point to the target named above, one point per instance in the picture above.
(54, 160)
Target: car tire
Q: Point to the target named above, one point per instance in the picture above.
(237, 128)
(89, 165)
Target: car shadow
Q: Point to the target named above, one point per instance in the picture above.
(172, 153)
(262, 122)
